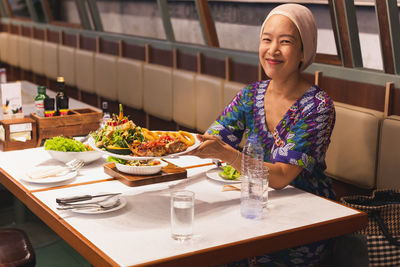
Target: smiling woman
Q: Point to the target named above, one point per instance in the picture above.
(291, 118)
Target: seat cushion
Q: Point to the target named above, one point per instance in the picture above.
(37, 56)
(66, 64)
(12, 50)
(352, 154)
(105, 76)
(230, 90)
(24, 53)
(84, 70)
(157, 94)
(50, 59)
(130, 82)
(208, 100)
(184, 98)
(15, 248)
(388, 162)
(3, 46)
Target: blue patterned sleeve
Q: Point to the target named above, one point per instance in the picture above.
(306, 142)
(230, 125)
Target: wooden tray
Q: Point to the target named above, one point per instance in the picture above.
(78, 122)
(168, 173)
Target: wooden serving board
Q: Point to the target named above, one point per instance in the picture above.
(168, 173)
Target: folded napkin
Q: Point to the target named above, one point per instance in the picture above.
(52, 171)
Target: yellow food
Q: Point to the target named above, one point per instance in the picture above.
(187, 138)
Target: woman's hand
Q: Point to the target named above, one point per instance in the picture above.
(213, 147)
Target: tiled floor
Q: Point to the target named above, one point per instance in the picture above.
(49, 248)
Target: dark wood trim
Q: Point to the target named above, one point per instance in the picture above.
(133, 51)
(69, 39)
(384, 35)
(207, 23)
(243, 73)
(14, 29)
(328, 59)
(53, 36)
(354, 93)
(26, 31)
(87, 43)
(342, 189)
(186, 61)
(38, 34)
(395, 102)
(344, 33)
(214, 67)
(161, 57)
(109, 47)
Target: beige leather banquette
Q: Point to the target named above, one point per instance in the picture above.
(352, 154)
(389, 160)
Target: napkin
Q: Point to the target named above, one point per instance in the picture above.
(47, 172)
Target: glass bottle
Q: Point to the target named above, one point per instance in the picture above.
(252, 188)
(39, 100)
(61, 98)
(106, 113)
(49, 107)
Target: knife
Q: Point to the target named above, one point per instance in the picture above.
(82, 198)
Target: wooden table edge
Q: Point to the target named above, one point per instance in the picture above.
(88, 250)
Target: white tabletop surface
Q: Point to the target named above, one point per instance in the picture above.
(140, 232)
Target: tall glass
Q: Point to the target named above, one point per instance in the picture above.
(182, 214)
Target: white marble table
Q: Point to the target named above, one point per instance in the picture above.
(139, 233)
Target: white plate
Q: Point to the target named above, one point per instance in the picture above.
(91, 143)
(122, 204)
(51, 179)
(213, 174)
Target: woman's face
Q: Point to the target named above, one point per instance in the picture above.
(280, 48)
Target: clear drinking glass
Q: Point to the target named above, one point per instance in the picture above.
(182, 214)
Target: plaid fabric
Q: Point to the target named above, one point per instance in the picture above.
(381, 253)
(386, 204)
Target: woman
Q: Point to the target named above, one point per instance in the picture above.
(292, 118)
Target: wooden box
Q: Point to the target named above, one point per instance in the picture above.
(12, 126)
(78, 122)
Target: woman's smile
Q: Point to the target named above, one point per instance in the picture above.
(271, 61)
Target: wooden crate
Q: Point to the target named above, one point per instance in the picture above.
(6, 144)
(78, 122)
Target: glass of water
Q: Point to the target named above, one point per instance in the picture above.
(182, 214)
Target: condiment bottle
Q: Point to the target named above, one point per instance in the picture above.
(3, 75)
(61, 98)
(49, 107)
(39, 100)
(106, 113)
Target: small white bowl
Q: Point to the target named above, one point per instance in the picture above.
(140, 170)
(86, 156)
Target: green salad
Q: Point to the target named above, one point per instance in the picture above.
(61, 143)
(229, 173)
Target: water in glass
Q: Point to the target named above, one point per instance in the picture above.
(182, 214)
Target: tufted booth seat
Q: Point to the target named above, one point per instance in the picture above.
(230, 90)
(130, 82)
(12, 50)
(105, 76)
(209, 102)
(157, 86)
(37, 59)
(24, 53)
(184, 98)
(84, 70)
(352, 154)
(50, 60)
(388, 175)
(3, 46)
(66, 67)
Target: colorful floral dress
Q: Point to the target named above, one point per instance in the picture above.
(301, 138)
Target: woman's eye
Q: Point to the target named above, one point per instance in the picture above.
(285, 42)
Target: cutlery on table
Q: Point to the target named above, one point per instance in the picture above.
(103, 206)
(74, 199)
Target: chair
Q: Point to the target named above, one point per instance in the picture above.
(16, 249)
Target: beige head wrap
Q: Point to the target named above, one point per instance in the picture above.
(305, 23)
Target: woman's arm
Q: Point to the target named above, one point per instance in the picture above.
(280, 174)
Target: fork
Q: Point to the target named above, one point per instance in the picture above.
(75, 164)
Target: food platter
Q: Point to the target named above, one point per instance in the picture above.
(91, 143)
